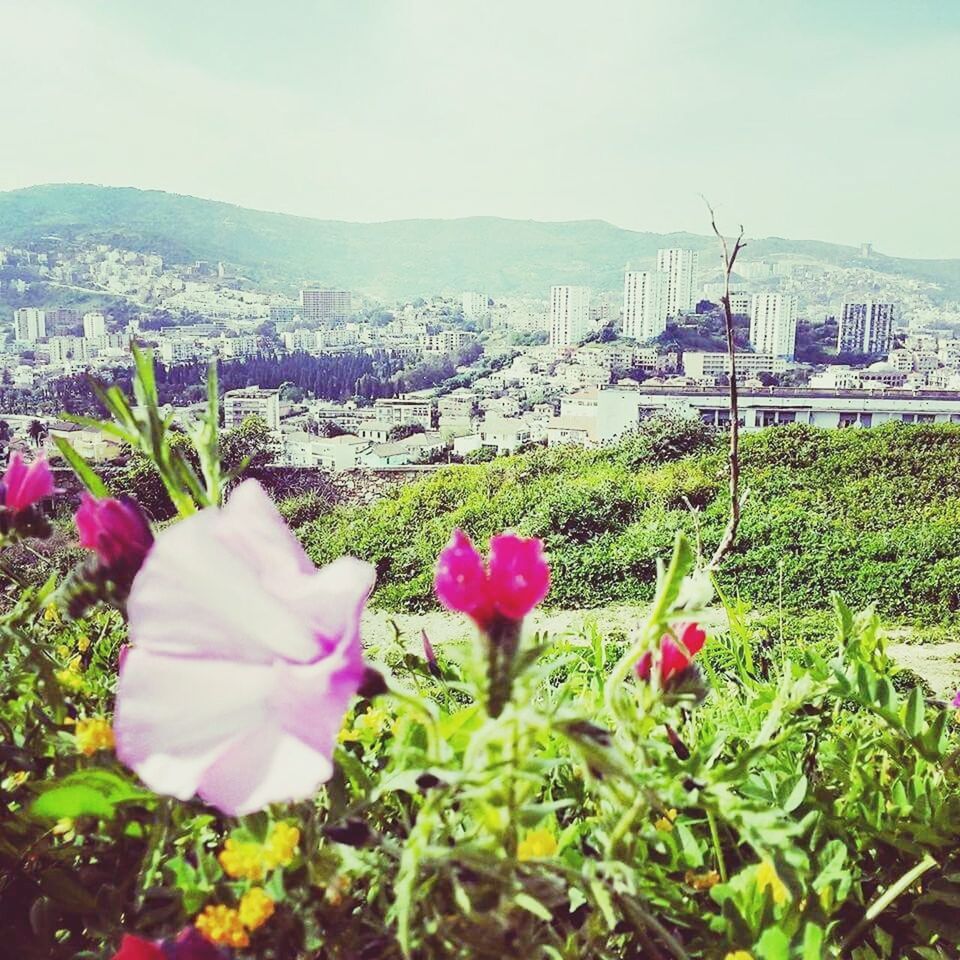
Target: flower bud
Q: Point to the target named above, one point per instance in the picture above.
(23, 485)
(673, 658)
(116, 530)
(461, 580)
(519, 576)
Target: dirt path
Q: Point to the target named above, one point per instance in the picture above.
(937, 663)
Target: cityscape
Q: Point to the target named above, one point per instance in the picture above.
(822, 345)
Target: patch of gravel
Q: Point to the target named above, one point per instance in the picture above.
(937, 663)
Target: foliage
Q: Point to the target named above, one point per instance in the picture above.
(877, 511)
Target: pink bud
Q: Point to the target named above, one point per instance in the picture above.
(430, 656)
(116, 529)
(956, 700)
(519, 576)
(23, 485)
(461, 580)
(674, 659)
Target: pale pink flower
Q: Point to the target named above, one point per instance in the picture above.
(23, 486)
(514, 580)
(245, 658)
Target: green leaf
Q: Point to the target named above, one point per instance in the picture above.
(87, 793)
(812, 942)
(81, 468)
(774, 944)
(531, 905)
(692, 853)
(795, 797)
(913, 720)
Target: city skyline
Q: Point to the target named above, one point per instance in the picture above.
(373, 112)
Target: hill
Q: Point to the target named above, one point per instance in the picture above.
(403, 258)
(874, 514)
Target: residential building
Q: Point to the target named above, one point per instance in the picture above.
(773, 324)
(399, 410)
(866, 327)
(700, 365)
(251, 402)
(507, 434)
(644, 304)
(475, 305)
(569, 315)
(680, 269)
(30, 324)
(447, 341)
(325, 304)
(94, 325)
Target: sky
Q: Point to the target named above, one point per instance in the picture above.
(810, 119)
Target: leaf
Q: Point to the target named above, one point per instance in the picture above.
(913, 720)
(81, 468)
(774, 944)
(796, 794)
(812, 942)
(531, 905)
(692, 853)
(87, 793)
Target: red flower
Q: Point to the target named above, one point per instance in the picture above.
(23, 486)
(135, 948)
(514, 581)
(673, 658)
(116, 529)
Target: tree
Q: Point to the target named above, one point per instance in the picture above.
(403, 430)
(37, 431)
(5, 433)
(252, 441)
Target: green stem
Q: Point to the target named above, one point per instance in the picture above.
(885, 899)
(717, 848)
(426, 715)
(623, 825)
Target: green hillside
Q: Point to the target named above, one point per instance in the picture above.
(395, 259)
(874, 514)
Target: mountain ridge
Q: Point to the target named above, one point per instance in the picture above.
(391, 258)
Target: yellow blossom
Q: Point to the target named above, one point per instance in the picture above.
(51, 614)
(70, 676)
(242, 860)
(767, 877)
(665, 823)
(739, 955)
(537, 844)
(93, 734)
(702, 881)
(221, 925)
(64, 828)
(256, 908)
(83, 644)
(63, 651)
(281, 845)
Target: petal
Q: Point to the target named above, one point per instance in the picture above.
(136, 948)
(519, 574)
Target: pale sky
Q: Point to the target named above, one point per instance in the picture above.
(816, 119)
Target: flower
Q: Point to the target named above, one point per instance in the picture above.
(256, 908)
(738, 955)
(115, 529)
(244, 660)
(673, 659)
(188, 945)
(431, 657)
(767, 876)
(221, 924)
(135, 948)
(701, 881)
(281, 846)
(665, 823)
(515, 579)
(537, 844)
(93, 734)
(23, 486)
(242, 860)
(956, 700)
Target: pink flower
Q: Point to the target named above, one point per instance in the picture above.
(511, 584)
(244, 660)
(956, 700)
(116, 529)
(24, 486)
(136, 948)
(673, 658)
(189, 945)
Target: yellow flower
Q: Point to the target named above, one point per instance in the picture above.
(51, 614)
(70, 676)
(221, 925)
(281, 846)
(702, 881)
(537, 844)
(256, 908)
(739, 955)
(64, 828)
(242, 860)
(83, 644)
(665, 823)
(63, 651)
(767, 877)
(92, 735)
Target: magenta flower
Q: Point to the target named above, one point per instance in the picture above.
(244, 660)
(23, 486)
(115, 529)
(673, 658)
(956, 700)
(515, 579)
(188, 945)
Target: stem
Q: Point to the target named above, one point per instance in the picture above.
(885, 899)
(427, 717)
(717, 848)
(623, 825)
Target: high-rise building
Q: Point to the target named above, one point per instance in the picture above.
(251, 402)
(866, 327)
(62, 321)
(569, 315)
(94, 325)
(680, 268)
(773, 324)
(644, 304)
(30, 324)
(475, 305)
(325, 304)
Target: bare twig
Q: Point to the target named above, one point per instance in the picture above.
(736, 503)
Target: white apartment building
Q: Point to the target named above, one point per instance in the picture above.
(866, 327)
(475, 305)
(680, 269)
(399, 410)
(699, 365)
(64, 349)
(94, 325)
(30, 324)
(569, 315)
(177, 351)
(644, 304)
(773, 324)
(325, 304)
(251, 402)
(447, 341)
